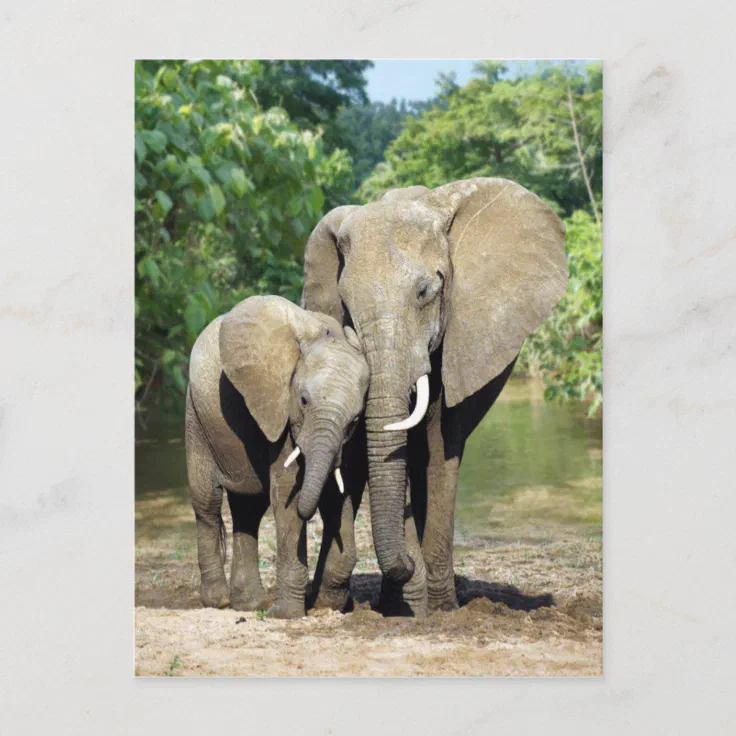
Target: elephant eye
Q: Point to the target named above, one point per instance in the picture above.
(427, 291)
(304, 398)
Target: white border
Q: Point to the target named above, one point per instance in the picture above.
(66, 320)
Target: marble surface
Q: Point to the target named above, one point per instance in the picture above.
(66, 377)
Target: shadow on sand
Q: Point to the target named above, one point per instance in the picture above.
(366, 587)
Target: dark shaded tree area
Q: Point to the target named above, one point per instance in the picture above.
(367, 130)
(313, 93)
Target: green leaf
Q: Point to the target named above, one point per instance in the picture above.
(295, 206)
(223, 173)
(140, 148)
(201, 174)
(169, 356)
(195, 318)
(316, 199)
(148, 268)
(170, 79)
(206, 207)
(172, 164)
(179, 380)
(155, 140)
(140, 181)
(209, 136)
(164, 201)
(274, 236)
(218, 198)
(238, 181)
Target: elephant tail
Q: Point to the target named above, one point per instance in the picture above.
(223, 541)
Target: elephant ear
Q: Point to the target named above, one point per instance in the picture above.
(507, 250)
(259, 349)
(322, 265)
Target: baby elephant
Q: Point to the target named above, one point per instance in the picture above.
(268, 381)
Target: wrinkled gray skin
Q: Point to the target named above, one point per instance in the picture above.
(265, 377)
(446, 282)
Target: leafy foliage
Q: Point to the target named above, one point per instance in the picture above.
(226, 193)
(522, 129)
(313, 92)
(367, 130)
(518, 129)
(236, 161)
(566, 349)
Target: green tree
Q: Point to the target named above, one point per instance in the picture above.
(520, 129)
(543, 130)
(312, 92)
(367, 131)
(226, 193)
(567, 349)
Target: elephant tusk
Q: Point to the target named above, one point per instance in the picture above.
(294, 455)
(419, 410)
(338, 480)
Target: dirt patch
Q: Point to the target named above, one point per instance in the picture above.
(530, 604)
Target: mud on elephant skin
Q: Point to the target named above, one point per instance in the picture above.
(441, 286)
(274, 394)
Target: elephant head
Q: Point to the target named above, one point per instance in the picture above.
(290, 364)
(468, 269)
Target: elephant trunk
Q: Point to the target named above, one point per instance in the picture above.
(387, 404)
(319, 457)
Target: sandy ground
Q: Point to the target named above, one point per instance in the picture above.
(530, 605)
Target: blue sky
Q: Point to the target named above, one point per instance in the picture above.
(413, 79)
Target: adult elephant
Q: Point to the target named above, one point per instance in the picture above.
(442, 286)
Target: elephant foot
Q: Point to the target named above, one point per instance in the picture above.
(442, 604)
(334, 599)
(286, 609)
(441, 596)
(250, 599)
(395, 601)
(214, 594)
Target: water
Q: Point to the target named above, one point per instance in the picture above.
(531, 470)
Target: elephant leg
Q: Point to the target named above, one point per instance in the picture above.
(337, 555)
(206, 497)
(291, 545)
(444, 444)
(246, 588)
(211, 551)
(411, 598)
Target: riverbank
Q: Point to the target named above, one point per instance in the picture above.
(528, 532)
(504, 627)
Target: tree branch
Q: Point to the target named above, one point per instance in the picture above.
(582, 157)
